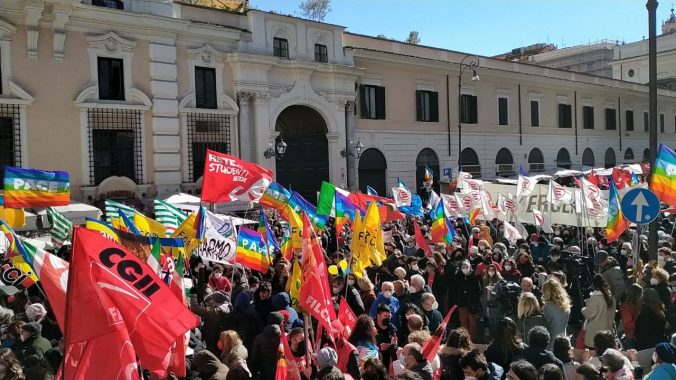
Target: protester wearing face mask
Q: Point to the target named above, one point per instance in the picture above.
(298, 345)
(385, 297)
(525, 263)
(365, 287)
(510, 272)
(413, 267)
(218, 282)
(609, 268)
(467, 296)
(416, 290)
(340, 288)
(491, 297)
(488, 260)
(659, 280)
(386, 334)
(539, 246)
(664, 358)
(474, 256)
(664, 260)
(430, 308)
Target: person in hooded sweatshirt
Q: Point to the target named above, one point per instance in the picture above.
(281, 301)
(244, 319)
(263, 358)
(537, 353)
(208, 366)
(609, 268)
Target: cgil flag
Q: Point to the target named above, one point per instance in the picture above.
(32, 188)
(616, 223)
(113, 210)
(62, 227)
(663, 181)
(252, 250)
(525, 186)
(168, 215)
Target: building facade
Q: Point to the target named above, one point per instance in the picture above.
(128, 100)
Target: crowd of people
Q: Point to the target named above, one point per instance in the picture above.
(522, 311)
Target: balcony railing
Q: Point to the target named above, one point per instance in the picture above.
(474, 170)
(536, 167)
(115, 4)
(504, 169)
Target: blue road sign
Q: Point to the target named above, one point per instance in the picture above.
(640, 206)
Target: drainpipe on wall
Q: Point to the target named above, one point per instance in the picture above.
(520, 123)
(575, 115)
(619, 123)
(448, 117)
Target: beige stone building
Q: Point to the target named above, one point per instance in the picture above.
(128, 100)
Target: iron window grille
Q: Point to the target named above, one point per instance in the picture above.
(115, 144)
(280, 47)
(205, 131)
(321, 53)
(10, 136)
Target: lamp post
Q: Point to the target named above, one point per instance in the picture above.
(651, 5)
(358, 149)
(278, 151)
(472, 63)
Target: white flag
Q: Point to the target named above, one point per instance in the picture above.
(470, 185)
(402, 196)
(489, 209)
(220, 242)
(542, 222)
(466, 203)
(525, 186)
(511, 233)
(452, 205)
(434, 200)
(559, 195)
(507, 204)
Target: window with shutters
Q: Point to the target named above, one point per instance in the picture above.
(587, 117)
(111, 78)
(629, 120)
(646, 122)
(372, 102)
(205, 87)
(427, 106)
(280, 47)
(662, 123)
(321, 53)
(565, 116)
(534, 113)
(611, 119)
(468, 109)
(503, 111)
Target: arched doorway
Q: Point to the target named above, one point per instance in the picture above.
(588, 158)
(610, 158)
(306, 162)
(469, 162)
(426, 157)
(536, 161)
(372, 168)
(504, 163)
(629, 156)
(563, 159)
(646, 154)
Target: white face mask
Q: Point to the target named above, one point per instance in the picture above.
(470, 378)
(555, 258)
(413, 289)
(336, 290)
(660, 261)
(508, 268)
(466, 271)
(217, 275)
(623, 252)
(414, 267)
(653, 281)
(654, 357)
(491, 273)
(350, 282)
(387, 294)
(435, 305)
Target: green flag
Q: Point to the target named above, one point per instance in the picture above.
(61, 227)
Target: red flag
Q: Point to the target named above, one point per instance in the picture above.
(621, 177)
(645, 168)
(346, 315)
(227, 178)
(593, 178)
(282, 371)
(420, 241)
(109, 356)
(112, 290)
(362, 200)
(388, 214)
(432, 346)
(315, 296)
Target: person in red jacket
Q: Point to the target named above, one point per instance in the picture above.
(218, 282)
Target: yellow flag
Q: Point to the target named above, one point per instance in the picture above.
(15, 217)
(367, 240)
(148, 226)
(293, 284)
(187, 232)
(372, 224)
(295, 226)
(360, 256)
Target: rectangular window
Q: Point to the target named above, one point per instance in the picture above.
(6, 143)
(321, 53)
(646, 122)
(468, 109)
(111, 78)
(503, 111)
(565, 116)
(534, 113)
(629, 120)
(427, 105)
(205, 87)
(662, 122)
(280, 47)
(611, 119)
(206, 131)
(587, 117)
(372, 102)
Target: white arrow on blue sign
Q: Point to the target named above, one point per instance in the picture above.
(640, 206)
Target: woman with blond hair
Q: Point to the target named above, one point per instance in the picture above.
(556, 309)
(234, 355)
(529, 315)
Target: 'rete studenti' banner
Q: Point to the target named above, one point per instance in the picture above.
(227, 179)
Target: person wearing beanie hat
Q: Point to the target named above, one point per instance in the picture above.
(35, 312)
(208, 366)
(32, 342)
(263, 354)
(326, 360)
(664, 358)
(212, 314)
(651, 321)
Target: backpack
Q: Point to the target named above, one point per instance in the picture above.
(510, 292)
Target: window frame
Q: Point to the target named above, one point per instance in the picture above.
(610, 117)
(431, 100)
(121, 96)
(661, 121)
(629, 116)
(568, 119)
(535, 123)
(646, 121)
(500, 110)
(587, 117)
(376, 102)
(278, 51)
(320, 56)
(469, 113)
(213, 89)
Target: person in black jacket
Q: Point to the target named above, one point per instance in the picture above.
(263, 358)
(651, 321)
(351, 295)
(386, 337)
(244, 319)
(263, 300)
(537, 353)
(468, 297)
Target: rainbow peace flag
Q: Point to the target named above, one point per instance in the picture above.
(287, 244)
(266, 232)
(252, 251)
(616, 223)
(19, 257)
(31, 188)
(663, 181)
(275, 196)
(345, 208)
(440, 228)
(299, 204)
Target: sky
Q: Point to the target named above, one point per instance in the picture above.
(489, 27)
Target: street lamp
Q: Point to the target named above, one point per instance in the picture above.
(280, 148)
(358, 149)
(472, 63)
